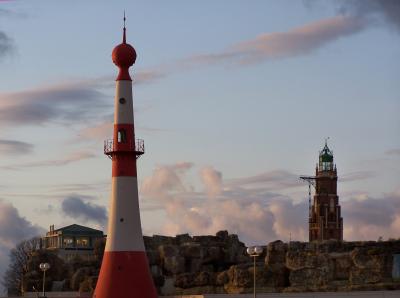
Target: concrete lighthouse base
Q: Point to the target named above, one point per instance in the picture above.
(125, 274)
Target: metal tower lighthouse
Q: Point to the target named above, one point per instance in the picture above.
(124, 271)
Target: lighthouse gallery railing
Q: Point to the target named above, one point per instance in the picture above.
(110, 147)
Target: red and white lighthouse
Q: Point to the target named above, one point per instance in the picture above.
(124, 271)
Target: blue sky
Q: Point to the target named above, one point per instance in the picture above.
(233, 99)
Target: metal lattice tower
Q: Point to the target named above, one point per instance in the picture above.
(311, 181)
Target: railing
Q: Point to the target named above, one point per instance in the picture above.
(139, 146)
(110, 147)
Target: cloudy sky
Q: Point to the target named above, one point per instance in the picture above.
(234, 101)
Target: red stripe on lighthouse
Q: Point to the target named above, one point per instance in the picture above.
(124, 165)
(124, 137)
(124, 157)
(118, 280)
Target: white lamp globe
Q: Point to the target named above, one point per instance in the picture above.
(44, 266)
(250, 250)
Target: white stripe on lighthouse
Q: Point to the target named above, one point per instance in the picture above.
(124, 228)
(123, 103)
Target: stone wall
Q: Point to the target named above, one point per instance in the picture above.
(219, 264)
(363, 294)
(190, 265)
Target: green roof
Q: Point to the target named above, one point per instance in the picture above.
(326, 154)
(78, 229)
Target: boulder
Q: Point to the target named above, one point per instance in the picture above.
(192, 250)
(360, 276)
(168, 288)
(184, 280)
(276, 255)
(239, 278)
(223, 235)
(310, 277)
(195, 265)
(204, 278)
(87, 285)
(213, 254)
(307, 259)
(153, 256)
(157, 275)
(342, 264)
(183, 238)
(368, 258)
(168, 250)
(174, 264)
(222, 278)
(78, 277)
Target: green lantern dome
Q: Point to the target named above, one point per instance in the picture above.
(326, 154)
(326, 159)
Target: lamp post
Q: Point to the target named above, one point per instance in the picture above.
(44, 267)
(254, 251)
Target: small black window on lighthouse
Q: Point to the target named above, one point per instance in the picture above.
(121, 136)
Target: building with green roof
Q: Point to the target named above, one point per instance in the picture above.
(71, 241)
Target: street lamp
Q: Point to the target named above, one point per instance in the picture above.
(254, 251)
(44, 267)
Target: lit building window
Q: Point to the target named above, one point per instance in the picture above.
(68, 242)
(82, 242)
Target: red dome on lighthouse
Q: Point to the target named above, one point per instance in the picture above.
(124, 56)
